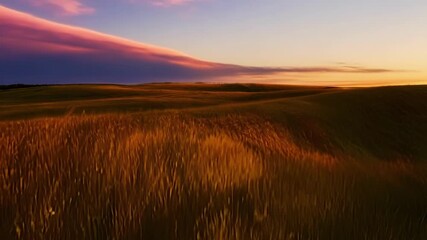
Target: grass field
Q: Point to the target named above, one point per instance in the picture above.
(213, 161)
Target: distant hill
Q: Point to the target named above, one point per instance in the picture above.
(385, 122)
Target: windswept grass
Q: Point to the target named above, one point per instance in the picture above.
(271, 172)
(174, 176)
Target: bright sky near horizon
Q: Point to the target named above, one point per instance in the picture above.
(386, 34)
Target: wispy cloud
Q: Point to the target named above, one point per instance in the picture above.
(65, 7)
(339, 69)
(166, 3)
(78, 7)
(33, 50)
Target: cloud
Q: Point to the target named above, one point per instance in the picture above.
(165, 3)
(77, 7)
(65, 7)
(344, 69)
(37, 51)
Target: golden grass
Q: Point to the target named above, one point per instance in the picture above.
(174, 176)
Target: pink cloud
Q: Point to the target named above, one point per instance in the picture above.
(34, 34)
(166, 3)
(38, 51)
(65, 7)
(78, 7)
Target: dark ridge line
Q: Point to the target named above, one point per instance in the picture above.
(18, 86)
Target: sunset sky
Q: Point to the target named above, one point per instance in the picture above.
(327, 42)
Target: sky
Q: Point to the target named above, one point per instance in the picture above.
(326, 42)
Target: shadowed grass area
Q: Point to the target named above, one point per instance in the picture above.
(271, 162)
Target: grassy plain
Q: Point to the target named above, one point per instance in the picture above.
(213, 161)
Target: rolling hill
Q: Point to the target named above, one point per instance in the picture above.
(213, 161)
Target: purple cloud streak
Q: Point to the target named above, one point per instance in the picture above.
(37, 51)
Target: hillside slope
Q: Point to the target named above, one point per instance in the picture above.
(196, 161)
(385, 122)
